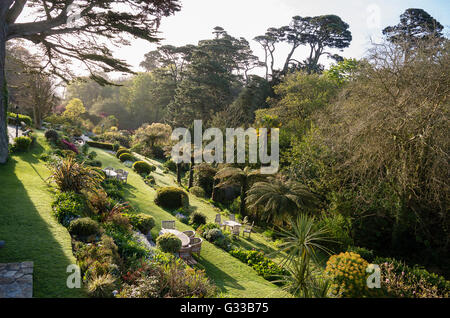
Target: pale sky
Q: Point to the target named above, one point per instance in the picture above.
(250, 18)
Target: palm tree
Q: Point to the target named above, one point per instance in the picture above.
(244, 177)
(277, 199)
(299, 250)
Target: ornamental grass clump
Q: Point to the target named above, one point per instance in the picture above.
(70, 175)
(348, 274)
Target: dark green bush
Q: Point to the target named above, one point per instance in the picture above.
(171, 198)
(93, 163)
(198, 218)
(143, 167)
(197, 191)
(206, 227)
(51, 135)
(262, 265)
(22, 144)
(171, 165)
(121, 151)
(101, 145)
(84, 227)
(168, 243)
(126, 157)
(142, 222)
(68, 206)
(114, 188)
(365, 253)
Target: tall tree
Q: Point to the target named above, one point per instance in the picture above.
(63, 36)
(268, 41)
(414, 24)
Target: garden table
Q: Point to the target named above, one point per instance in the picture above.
(183, 237)
(110, 173)
(231, 223)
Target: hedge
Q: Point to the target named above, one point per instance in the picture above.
(126, 157)
(143, 167)
(26, 119)
(121, 151)
(101, 145)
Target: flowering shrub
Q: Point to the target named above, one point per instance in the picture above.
(69, 146)
(348, 274)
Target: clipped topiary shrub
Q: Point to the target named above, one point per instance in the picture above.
(348, 274)
(171, 198)
(51, 135)
(22, 144)
(197, 219)
(121, 151)
(142, 222)
(101, 145)
(22, 118)
(126, 157)
(198, 192)
(143, 167)
(171, 165)
(84, 227)
(168, 243)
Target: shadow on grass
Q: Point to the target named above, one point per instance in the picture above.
(221, 279)
(27, 235)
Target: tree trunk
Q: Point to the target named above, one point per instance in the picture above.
(242, 211)
(179, 173)
(3, 95)
(191, 173)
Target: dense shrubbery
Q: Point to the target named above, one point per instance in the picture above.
(101, 145)
(126, 157)
(84, 227)
(68, 206)
(121, 151)
(204, 177)
(197, 219)
(168, 243)
(21, 144)
(22, 118)
(171, 198)
(197, 191)
(114, 188)
(51, 135)
(262, 265)
(142, 222)
(143, 167)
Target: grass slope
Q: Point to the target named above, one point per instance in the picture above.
(233, 278)
(28, 227)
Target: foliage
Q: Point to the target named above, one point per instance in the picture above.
(72, 176)
(101, 145)
(128, 246)
(126, 157)
(168, 243)
(84, 227)
(171, 198)
(339, 228)
(261, 264)
(69, 146)
(275, 200)
(401, 280)
(74, 109)
(198, 192)
(171, 165)
(142, 222)
(101, 286)
(22, 118)
(348, 273)
(365, 253)
(120, 151)
(143, 167)
(51, 135)
(21, 144)
(114, 188)
(68, 206)
(152, 135)
(197, 219)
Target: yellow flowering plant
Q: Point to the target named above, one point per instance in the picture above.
(347, 272)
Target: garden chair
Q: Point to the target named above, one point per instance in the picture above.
(109, 168)
(248, 229)
(218, 221)
(235, 230)
(185, 254)
(169, 225)
(196, 244)
(122, 176)
(232, 217)
(189, 233)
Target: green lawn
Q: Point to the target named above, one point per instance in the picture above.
(234, 278)
(30, 231)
